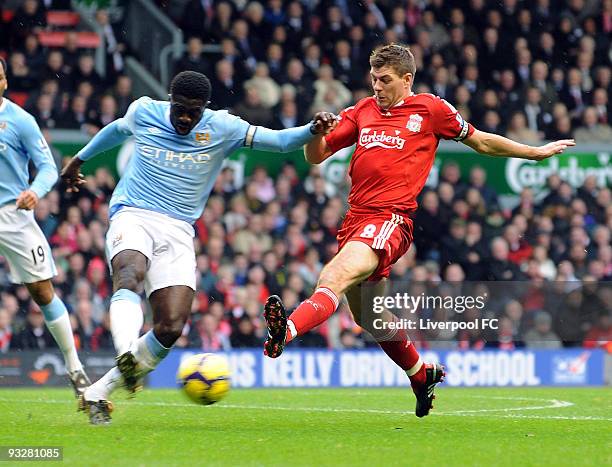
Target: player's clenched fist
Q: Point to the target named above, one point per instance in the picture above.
(72, 176)
(27, 200)
(323, 123)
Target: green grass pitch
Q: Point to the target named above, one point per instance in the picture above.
(370, 427)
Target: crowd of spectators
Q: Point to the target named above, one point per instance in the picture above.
(533, 70)
(60, 86)
(536, 70)
(272, 236)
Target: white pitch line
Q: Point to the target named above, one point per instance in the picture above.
(553, 403)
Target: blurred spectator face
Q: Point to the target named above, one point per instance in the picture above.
(85, 89)
(84, 240)
(585, 60)
(83, 311)
(224, 70)
(124, 86)
(275, 53)
(343, 49)
(491, 119)
(451, 173)
(589, 117)
(86, 64)
(462, 95)
(279, 35)
(600, 97)
(491, 37)
(398, 16)
(507, 80)
(334, 15)
(254, 12)
(77, 264)
(478, 177)
(31, 43)
(30, 6)
(108, 105)
(79, 105)
(577, 253)
(194, 47)
(326, 73)
(224, 12)
(543, 322)
(102, 17)
(574, 78)
(430, 202)
(42, 211)
(44, 104)
(601, 235)
(514, 311)
(499, 249)
(74, 216)
(35, 318)
(356, 33)
(511, 234)
(494, 19)
(289, 109)
(603, 76)
(17, 62)
(565, 190)
(560, 110)
(55, 60)
(534, 96)
(454, 273)
(262, 71)
(295, 70)
(446, 192)
(240, 29)
(539, 71)
(489, 99)
(518, 122)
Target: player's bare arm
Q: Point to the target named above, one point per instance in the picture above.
(496, 145)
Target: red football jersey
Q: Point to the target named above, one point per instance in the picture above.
(395, 148)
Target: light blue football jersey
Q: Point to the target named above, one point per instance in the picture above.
(21, 141)
(171, 173)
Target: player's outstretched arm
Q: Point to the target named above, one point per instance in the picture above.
(291, 139)
(496, 145)
(107, 138)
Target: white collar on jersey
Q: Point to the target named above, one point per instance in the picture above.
(4, 104)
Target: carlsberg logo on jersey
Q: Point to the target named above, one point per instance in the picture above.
(380, 139)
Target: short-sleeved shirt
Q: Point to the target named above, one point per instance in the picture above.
(395, 148)
(171, 173)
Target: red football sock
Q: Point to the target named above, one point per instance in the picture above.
(312, 312)
(404, 353)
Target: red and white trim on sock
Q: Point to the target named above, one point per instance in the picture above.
(415, 369)
(312, 312)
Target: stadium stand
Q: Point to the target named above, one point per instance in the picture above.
(278, 62)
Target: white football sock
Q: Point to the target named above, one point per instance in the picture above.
(102, 389)
(126, 319)
(61, 330)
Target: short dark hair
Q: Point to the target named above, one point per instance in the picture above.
(191, 85)
(3, 63)
(397, 56)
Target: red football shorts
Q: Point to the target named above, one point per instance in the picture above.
(388, 234)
